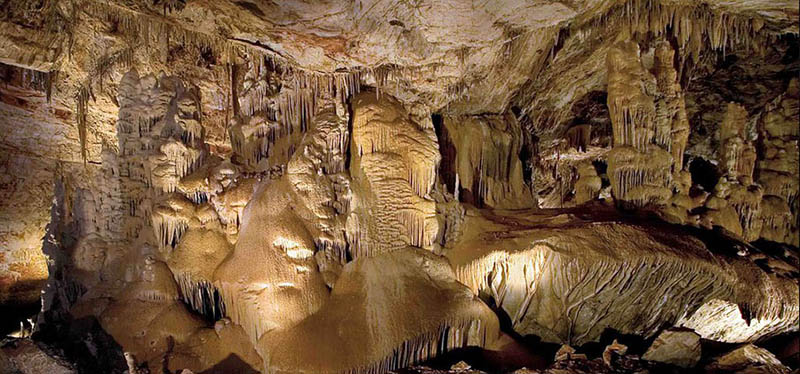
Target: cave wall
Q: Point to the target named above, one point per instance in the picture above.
(206, 197)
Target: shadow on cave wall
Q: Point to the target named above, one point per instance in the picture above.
(232, 364)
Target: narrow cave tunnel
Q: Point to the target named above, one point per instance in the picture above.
(513, 187)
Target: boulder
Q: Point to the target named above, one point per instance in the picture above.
(747, 359)
(675, 347)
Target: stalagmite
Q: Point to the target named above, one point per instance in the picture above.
(632, 110)
(482, 154)
(640, 165)
(212, 186)
(322, 189)
(779, 224)
(440, 315)
(736, 205)
(778, 170)
(738, 153)
(578, 137)
(672, 124)
(263, 288)
(588, 186)
(393, 168)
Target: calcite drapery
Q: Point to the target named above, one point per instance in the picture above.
(480, 161)
(639, 164)
(567, 281)
(393, 168)
(440, 314)
(154, 230)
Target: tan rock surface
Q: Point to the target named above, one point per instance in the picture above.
(748, 359)
(566, 280)
(676, 347)
(226, 184)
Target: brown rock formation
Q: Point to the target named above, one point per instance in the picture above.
(357, 187)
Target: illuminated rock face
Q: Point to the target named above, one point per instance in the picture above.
(393, 167)
(23, 265)
(676, 347)
(270, 281)
(232, 186)
(748, 358)
(440, 314)
(567, 281)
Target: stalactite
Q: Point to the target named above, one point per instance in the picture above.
(415, 224)
(202, 296)
(168, 229)
(695, 26)
(82, 100)
(638, 177)
(193, 131)
(289, 110)
(483, 154)
(338, 249)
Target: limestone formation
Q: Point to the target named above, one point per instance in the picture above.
(748, 359)
(566, 285)
(398, 186)
(588, 185)
(441, 314)
(639, 164)
(676, 347)
(393, 168)
(480, 162)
